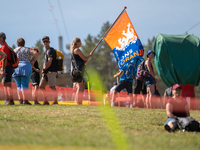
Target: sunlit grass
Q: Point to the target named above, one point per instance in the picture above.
(84, 127)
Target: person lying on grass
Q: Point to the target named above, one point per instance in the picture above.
(176, 107)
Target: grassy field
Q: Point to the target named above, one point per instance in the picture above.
(83, 127)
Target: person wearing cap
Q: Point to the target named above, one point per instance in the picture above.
(124, 83)
(150, 80)
(7, 75)
(22, 73)
(176, 107)
(49, 71)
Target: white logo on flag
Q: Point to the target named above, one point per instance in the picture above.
(124, 42)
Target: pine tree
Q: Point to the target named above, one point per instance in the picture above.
(103, 58)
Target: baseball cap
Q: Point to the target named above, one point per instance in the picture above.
(45, 37)
(175, 86)
(150, 51)
(2, 35)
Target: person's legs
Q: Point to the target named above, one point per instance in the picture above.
(79, 93)
(43, 84)
(171, 124)
(55, 95)
(19, 92)
(144, 100)
(121, 85)
(144, 94)
(34, 94)
(35, 77)
(131, 100)
(113, 98)
(150, 84)
(8, 93)
(150, 94)
(129, 89)
(134, 100)
(7, 85)
(52, 84)
(24, 86)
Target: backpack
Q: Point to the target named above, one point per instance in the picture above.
(76, 71)
(14, 61)
(141, 71)
(188, 124)
(130, 72)
(59, 60)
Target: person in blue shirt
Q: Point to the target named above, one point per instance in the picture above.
(126, 81)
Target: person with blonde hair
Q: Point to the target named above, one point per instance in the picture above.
(81, 59)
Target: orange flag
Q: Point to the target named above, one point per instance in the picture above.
(124, 41)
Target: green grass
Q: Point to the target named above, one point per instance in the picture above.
(83, 127)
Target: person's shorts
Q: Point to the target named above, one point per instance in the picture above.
(35, 78)
(8, 74)
(124, 84)
(51, 80)
(170, 119)
(139, 86)
(149, 81)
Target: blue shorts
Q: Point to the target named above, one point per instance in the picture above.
(124, 84)
(149, 81)
(170, 119)
(22, 82)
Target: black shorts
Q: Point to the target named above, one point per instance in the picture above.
(35, 77)
(139, 86)
(8, 74)
(124, 84)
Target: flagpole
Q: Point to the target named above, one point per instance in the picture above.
(108, 29)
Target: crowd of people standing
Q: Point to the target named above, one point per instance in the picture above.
(146, 86)
(27, 69)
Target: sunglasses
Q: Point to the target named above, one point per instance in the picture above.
(45, 41)
(152, 54)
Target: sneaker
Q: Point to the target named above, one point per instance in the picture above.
(11, 103)
(20, 102)
(167, 128)
(55, 103)
(36, 103)
(27, 103)
(6, 102)
(45, 103)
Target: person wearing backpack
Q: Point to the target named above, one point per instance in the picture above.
(150, 79)
(126, 81)
(22, 73)
(139, 85)
(49, 71)
(8, 71)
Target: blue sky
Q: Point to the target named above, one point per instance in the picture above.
(32, 19)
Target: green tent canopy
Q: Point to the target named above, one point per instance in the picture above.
(177, 59)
